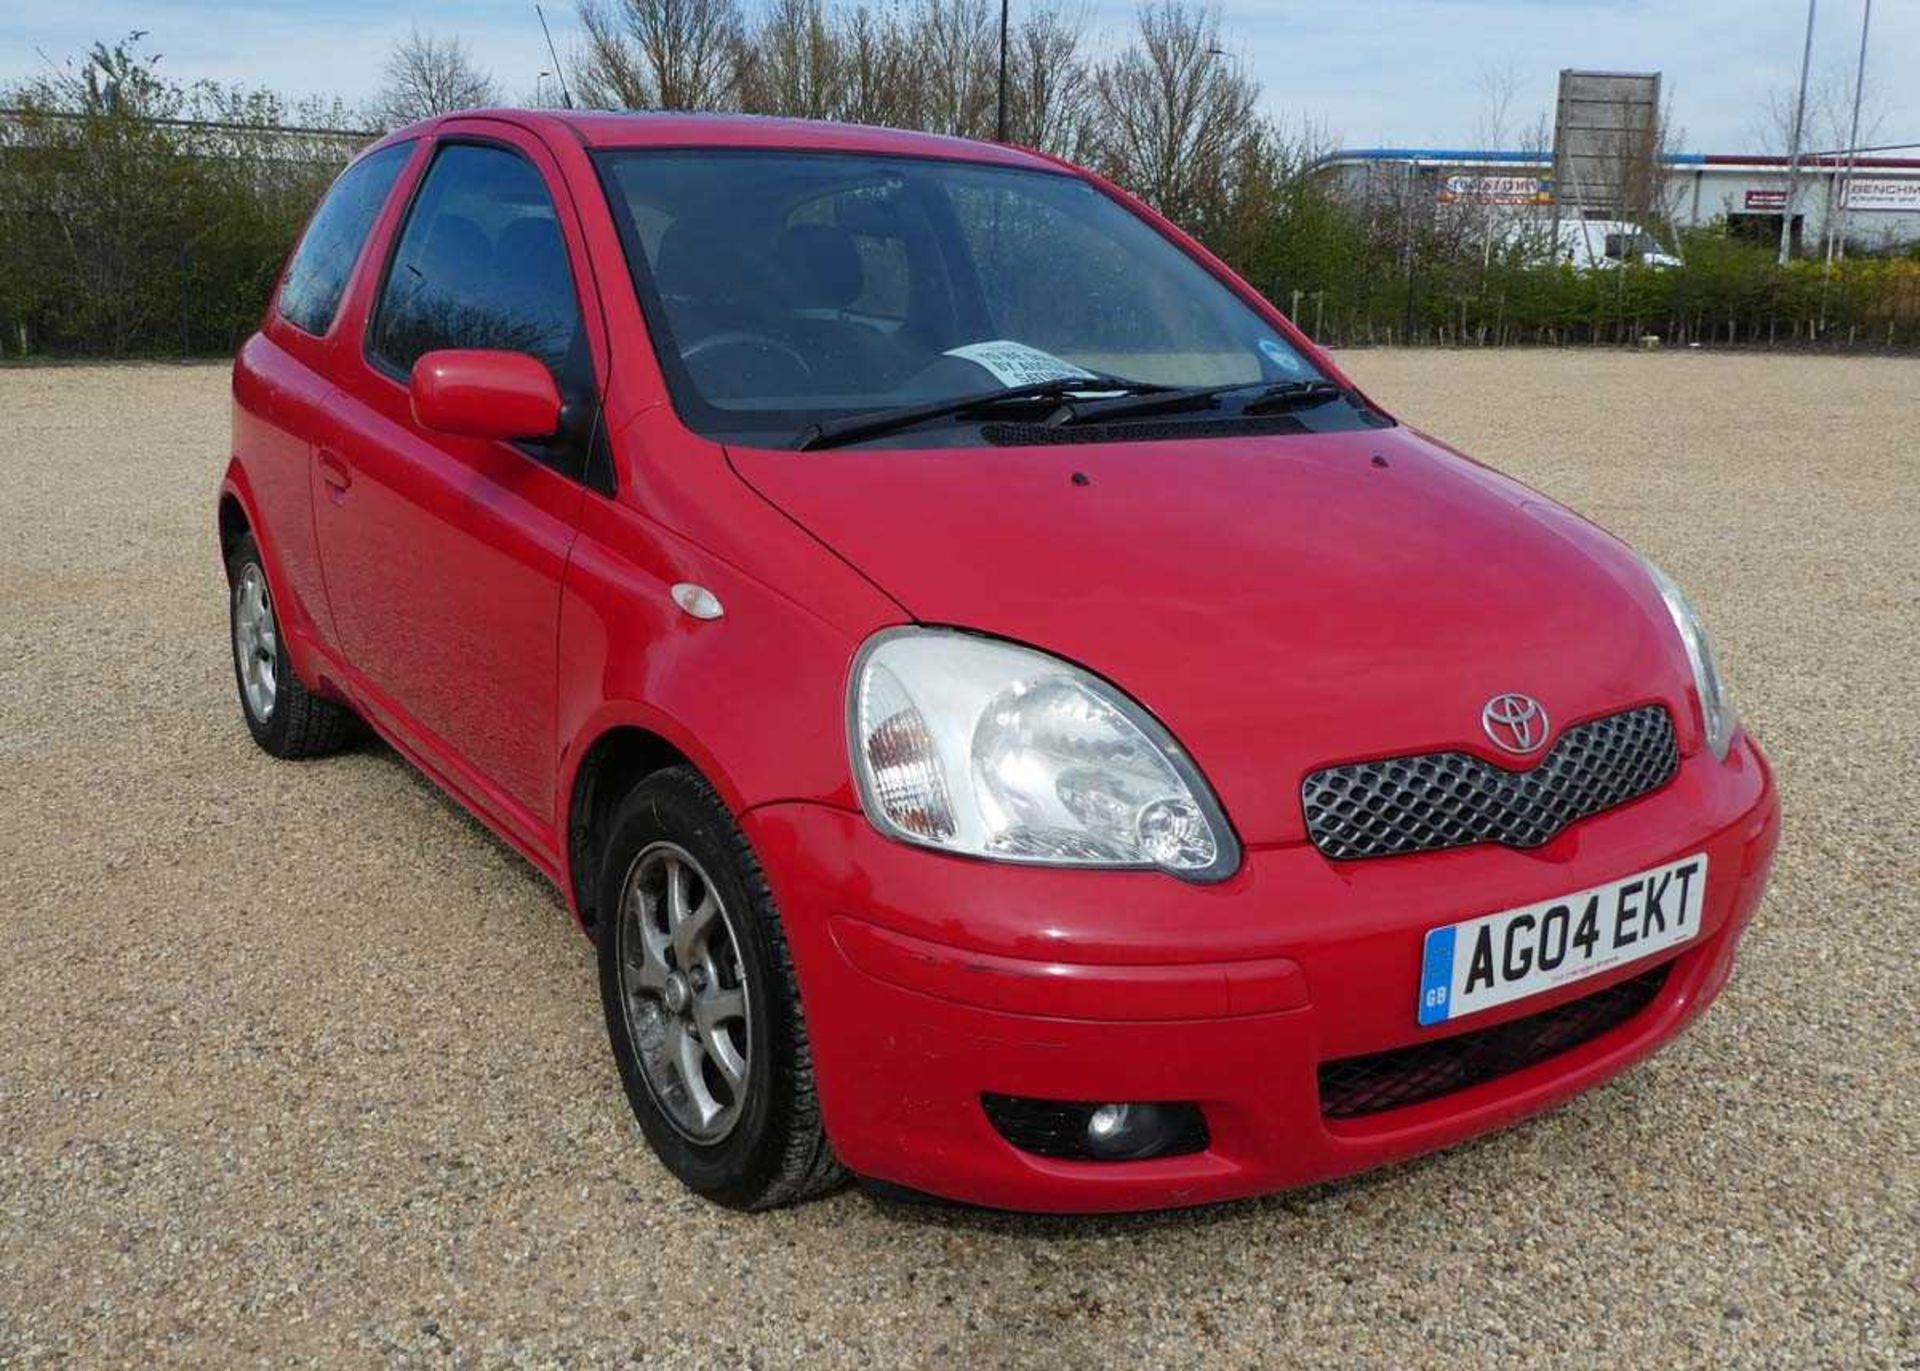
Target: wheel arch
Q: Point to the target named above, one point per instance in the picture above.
(620, 756)
(236, 514)
(233, 521)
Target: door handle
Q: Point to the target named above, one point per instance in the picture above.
(333, 471)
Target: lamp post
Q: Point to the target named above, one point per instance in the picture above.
(1000, 124)
(1837, 242)
(1793, 154)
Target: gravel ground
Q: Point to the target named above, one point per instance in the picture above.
(298, 1064)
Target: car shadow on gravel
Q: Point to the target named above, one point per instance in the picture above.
(365, 743)
(903, 1206)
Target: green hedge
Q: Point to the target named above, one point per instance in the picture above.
(140, 216)
(1728, 293)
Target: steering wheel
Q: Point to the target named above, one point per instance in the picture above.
(745, 338)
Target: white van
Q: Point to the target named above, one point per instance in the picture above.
(1601, 244)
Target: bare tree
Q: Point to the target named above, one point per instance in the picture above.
(1650, 190)
(928, 64)
(1051, 88)
(426, 75)
(1499, 204)
(606, 72)
(1174, 110)
(659, 54)
(1829, 113)
(959, 42)
(792, 62)
(1499, 87)
(1478, 203)
(880, 70)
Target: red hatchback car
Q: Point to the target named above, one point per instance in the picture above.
(1016, 721)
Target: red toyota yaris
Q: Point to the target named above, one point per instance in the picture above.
(1016, 721)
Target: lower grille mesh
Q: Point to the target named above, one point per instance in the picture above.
(1356, 1086)
(1450, 799)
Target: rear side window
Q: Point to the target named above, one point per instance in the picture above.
(317, 277)
(482, 264)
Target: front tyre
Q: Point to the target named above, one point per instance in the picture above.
(284, 717)
(702, 1006)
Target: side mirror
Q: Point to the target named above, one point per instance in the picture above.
(479, 393)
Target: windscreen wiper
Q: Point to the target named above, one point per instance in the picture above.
(879, 422)
(1297, 395)
(1286, 395)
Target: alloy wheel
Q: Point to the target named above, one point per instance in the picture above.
(256, 641)
(687, 1006)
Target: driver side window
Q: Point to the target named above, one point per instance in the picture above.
(482, 263)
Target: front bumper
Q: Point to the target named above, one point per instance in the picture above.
(929, 980)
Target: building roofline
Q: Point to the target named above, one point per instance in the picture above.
(1511, 157)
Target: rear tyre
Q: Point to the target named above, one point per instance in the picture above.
(702, 1006)
(284, 717)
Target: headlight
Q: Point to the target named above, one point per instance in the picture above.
(977, 746)
(1706, 669)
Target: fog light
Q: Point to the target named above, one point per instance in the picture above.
(1093, 1131)
(1122, 1132)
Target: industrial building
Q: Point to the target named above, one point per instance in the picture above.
(1746, 191)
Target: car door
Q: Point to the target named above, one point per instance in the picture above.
(444, 555)
(281, 384)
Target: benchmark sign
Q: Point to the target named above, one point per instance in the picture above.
(1884, 193)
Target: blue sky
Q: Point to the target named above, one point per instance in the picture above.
(1372, 72)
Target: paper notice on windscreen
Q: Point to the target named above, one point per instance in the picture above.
(1016, 364)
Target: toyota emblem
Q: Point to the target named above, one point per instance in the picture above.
(1516, 723)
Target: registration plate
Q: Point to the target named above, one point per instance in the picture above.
(1498, 958)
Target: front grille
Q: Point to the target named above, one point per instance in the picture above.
(1357, 1086)
(1450, 799)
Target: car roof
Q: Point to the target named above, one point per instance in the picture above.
(664, 129)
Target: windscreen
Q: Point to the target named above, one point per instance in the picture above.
(785, 288)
